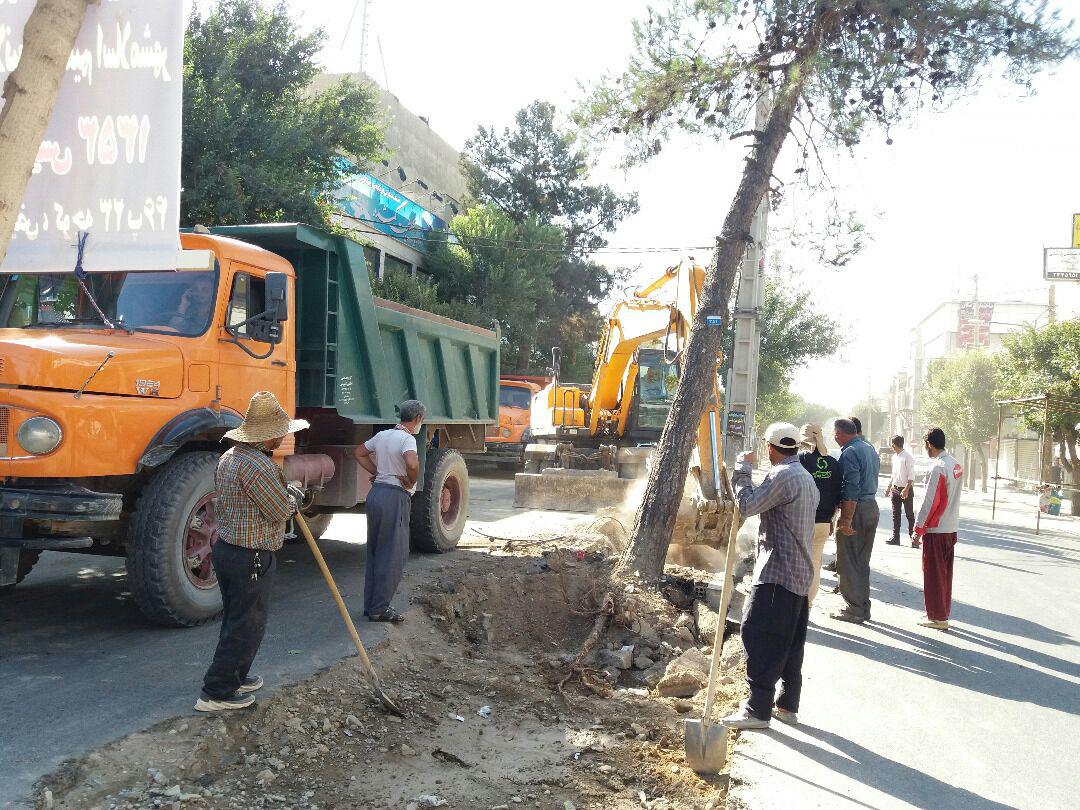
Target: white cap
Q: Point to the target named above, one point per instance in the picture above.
(783, 435)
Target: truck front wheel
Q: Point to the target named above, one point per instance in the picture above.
(439, 511)
(168, 550)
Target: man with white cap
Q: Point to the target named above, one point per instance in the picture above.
(825, 470)
(774, 623)
(253, 504)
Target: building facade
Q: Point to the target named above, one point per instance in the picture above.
(395, 205)
(952, 327)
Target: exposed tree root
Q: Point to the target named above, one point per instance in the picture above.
(577, 666)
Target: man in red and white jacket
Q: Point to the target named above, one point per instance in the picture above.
(936, 525)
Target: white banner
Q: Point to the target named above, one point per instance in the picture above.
(110, 161)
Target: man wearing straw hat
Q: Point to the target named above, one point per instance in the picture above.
(253, 505)
(391, 459)
(825, 470)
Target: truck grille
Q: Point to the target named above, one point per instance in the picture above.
(5, 427)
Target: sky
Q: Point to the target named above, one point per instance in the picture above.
(979, 188)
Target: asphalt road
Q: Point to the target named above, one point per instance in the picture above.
(985, 716)
(79, 666)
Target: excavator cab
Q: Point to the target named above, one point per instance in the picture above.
(654, 391)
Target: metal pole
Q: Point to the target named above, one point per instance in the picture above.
(1042, 457)
(997, 464)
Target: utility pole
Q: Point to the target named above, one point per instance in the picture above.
(1051, 305)
(743, 374)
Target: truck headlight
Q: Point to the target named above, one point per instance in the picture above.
(39, 435)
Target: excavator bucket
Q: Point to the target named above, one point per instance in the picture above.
(561, 490)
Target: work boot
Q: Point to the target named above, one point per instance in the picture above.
(743, 719)
(784, 716)
(830, 566)
(916, 542)
(844, 616)
(894, 542)
(388, 615)
(252, 683)
(205, 703)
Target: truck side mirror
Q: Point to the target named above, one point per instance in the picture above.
(277, 296)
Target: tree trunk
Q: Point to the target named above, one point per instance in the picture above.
(655, 521)
(29, 94)
(1071, 437)
(984, 461)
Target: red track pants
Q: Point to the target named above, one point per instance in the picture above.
(937, 565)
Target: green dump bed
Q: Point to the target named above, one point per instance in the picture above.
(361, 355)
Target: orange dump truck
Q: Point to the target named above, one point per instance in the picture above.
(505, 441)
(110, 427)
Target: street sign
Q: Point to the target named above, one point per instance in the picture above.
(1061, 264)
(736, 423)
(714, 320)
(109, 163)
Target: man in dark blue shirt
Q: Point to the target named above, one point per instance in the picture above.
(859, 467)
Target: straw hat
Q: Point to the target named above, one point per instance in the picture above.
(813, 439)
(265, 420)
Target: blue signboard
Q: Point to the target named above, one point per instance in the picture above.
(388, 211)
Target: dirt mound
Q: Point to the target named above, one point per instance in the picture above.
(477, 666)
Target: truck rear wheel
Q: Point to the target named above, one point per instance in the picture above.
(439, 512)
(317, 524)
(168, 550)
(27, 559)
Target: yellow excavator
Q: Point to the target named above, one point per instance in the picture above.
(591, 443)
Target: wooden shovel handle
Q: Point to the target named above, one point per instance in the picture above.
(725, 601)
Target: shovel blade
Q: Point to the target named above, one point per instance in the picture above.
(706, 746)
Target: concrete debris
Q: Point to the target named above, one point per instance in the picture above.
(693, 660)
(406, 751)
(47, 799)
(352, 721)
(684, 620)
(643, 662)
(684, 683)
(265, 777)
(653, 674)
(707, 621)
(484, 711)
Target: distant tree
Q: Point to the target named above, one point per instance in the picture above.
(495, 269)
(258, 145)
(538, 172)
(1047, 360)
(959, 397)
(830, 70)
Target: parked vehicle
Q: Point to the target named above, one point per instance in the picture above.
(505, 441)
(110, 426)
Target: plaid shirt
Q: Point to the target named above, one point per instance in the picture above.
(786, 500)
(252, 500)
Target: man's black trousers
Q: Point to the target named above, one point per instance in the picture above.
(245, 601)
(774, 635)
(909, 510)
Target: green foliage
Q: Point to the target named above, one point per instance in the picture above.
(258, 146)
(537, 171)
(700, 65)
(491, 269)
(792, 333)
(1039, 361)
(959, 397)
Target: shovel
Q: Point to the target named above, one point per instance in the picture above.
(369, 671)
(705, 741)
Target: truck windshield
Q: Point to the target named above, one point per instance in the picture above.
(510, 396)
(169, 302)
(656, 390)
